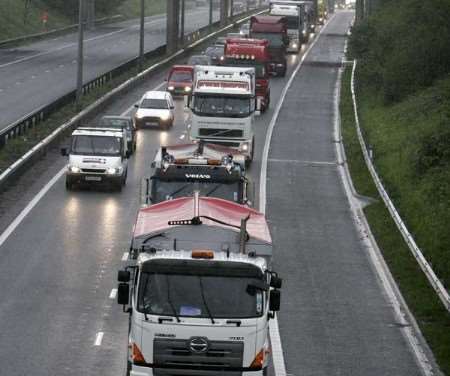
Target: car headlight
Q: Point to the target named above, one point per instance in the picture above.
(187, 89)
(164, 116)
(74, 169)
(294, 45)
(245, 146)
(222, 58)
(139, 115)
(171, 88)
(113, 170)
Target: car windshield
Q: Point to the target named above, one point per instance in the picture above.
(221, 106)
(96, 145)
(155, 104)
(115, 123)
(260, 69)
(275, 39)
(181, 76)
(168, 190)
(201, 296)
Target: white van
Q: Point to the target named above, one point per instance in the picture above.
(97, 155)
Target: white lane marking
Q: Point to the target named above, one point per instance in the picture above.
(99, 339)
(33, 77)
(125, 256)
(47, 71)
(113, 294)
(275, 338)
(319, 163)
(129, 109)
(14, 224)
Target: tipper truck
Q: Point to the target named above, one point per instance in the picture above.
(201, 292)
(223, 106)
(212, 170)
(247, 52)
(274, 29)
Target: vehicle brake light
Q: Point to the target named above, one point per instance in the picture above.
(258, 362)
(202, 254)
(137, 354)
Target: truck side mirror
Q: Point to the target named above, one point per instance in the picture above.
(123, 276)
(275, 299)
(64, 152)
(276, 282)
(123, 293)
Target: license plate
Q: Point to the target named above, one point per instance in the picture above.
(93, 178)
(152, 123)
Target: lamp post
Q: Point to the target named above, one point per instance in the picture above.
(80, 54)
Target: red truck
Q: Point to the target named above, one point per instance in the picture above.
(245, 52)
(274, 29)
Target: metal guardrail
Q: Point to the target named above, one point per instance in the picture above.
(42, 147)
(436, 284)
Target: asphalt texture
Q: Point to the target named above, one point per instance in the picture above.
(35, 75)
(59, 266)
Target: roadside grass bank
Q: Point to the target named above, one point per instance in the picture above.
(394, 133)
(21, 18)
(18, 146)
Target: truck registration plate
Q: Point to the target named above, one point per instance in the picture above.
(93, 178)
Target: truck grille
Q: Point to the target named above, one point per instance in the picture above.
(217, 132)
(177, 353)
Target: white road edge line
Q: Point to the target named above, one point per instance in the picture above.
(386, 279)
(113, 294)
(14, 224)
(125, 256)
(275, 338)
(18, 220)
(99, 339)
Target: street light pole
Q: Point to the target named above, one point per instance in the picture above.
(210, 12)
(80, 54)
(182, 22)
(141, 37)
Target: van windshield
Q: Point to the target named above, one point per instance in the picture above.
(200, 296)
(96, 145)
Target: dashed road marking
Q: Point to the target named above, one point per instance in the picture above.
(99, 339)
(113, 294)
(125, 256)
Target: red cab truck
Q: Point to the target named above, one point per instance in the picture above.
(273, 29)
(246, 52)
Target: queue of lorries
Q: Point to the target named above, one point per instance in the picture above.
(199, 287)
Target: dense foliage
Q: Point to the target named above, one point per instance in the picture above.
(70, 7)
(403, 46)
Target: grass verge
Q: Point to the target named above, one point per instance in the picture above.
(431, 316)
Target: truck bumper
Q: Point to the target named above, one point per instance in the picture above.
(146, 371)
(94, 179)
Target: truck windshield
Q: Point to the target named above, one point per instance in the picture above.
(96, 145)
(168, 190)
(227, 106)
(260, 69)
(196, 295)
(292, 22)
(275, 39)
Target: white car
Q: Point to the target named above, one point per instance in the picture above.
(155, 109)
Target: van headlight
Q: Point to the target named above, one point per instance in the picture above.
(164, 117)
(171, 88)
(294, 45)
(187, 89)
(74, 169)
(114, 171)
(139, 115)
(245, 146)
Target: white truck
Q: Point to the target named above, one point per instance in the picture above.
(297, 22)
(201, 292)
(97, 156)
(223, 106)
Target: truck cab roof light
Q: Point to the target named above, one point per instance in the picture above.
(202, 254)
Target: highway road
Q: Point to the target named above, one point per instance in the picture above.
(58, 265)
(37, 74)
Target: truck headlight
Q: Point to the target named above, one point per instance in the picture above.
(294, 45)
(245, 146)
(74, 169)
(171, 88)
(187, 89)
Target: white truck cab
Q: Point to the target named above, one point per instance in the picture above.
(97, 156)
(201, 293)
(223, 106)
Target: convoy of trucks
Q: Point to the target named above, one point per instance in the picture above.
(199, 287)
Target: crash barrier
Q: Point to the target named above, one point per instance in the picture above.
(415, 250)
(19, 127)
(52, 33)
(41, 148)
